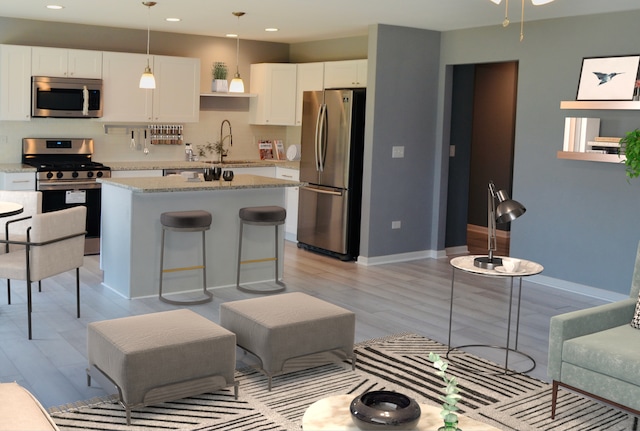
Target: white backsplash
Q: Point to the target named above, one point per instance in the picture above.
(115, 146)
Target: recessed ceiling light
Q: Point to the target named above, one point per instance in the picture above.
(173, 19)
(55, 7)
(271, 29)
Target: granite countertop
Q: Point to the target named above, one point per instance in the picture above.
(181, 184)
(169, 164)
(15, 168)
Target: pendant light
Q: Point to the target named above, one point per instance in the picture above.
(237, 86)
(147, 80)
(505, 23)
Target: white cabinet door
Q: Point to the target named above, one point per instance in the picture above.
(123, 99)
(310, 77)
(345, 74)
(291, 202)
(175, 99)
(69, 63)
(275, 86)
(15, 83)
(18, 180)
(177, 94)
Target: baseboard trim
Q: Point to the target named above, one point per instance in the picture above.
(555, 283)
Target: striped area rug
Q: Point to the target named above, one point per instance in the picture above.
(399, 363)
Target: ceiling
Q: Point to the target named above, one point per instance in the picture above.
(300, 20)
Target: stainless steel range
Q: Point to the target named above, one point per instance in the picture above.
(66, 176)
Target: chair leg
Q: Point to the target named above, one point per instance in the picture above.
(9, 292)
(78, 291)
(29, 307)
(554, 398)
(239, 255)
(161, 263)
(40, 286)
(277, 261)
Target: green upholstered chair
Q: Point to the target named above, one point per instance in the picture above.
(595, 352)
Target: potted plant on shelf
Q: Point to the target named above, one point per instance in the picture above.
(630, 148)
(219, 73)
(450, 397)
(213, 147)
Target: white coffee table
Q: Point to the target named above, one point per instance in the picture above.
(332, 414)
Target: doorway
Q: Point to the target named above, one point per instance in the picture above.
(483, 112)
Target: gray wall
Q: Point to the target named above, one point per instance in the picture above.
(401, 104)
(582, 217)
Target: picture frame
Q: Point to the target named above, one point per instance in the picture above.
(608, 78)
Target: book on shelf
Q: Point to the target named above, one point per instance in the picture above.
(611, 139)
(597, 143)
(266, 149)
(279, 149)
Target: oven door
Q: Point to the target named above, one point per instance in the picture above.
(53, 200)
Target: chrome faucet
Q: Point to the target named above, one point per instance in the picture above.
(222, 138)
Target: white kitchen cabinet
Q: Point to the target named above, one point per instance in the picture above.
(177, 94)
(69, 63)
(345, 74)
(291, 202)
(310, 77)
(175, 99)
(15, 83)
(17, 181)
(275, 87)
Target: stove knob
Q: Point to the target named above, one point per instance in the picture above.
(90, 174)
(49, 175)
(74, 174)
(100, 174)
(59, 175)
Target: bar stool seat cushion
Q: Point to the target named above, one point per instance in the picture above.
(186, 219)
(264, 214)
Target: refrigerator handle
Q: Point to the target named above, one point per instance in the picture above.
(322, 191)
(321, 142)
(316, 138)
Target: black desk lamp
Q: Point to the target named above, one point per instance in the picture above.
(506, 211)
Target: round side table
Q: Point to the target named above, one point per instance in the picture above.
(527, 268)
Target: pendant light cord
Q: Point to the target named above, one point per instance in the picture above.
(148, 30)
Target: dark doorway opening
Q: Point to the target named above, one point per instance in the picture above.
(483, 112)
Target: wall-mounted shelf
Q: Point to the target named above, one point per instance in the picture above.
(238, 95)
(590, 157)
(600, 104)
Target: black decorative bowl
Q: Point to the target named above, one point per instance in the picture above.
(227, 175)
(385, 410)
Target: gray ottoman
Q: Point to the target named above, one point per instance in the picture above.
(292, 325)
(160, 357)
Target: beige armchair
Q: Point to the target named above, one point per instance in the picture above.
(54, 244)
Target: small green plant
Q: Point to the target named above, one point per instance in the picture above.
(451, 395)
(212, 147)
(630, 148)
(219, 70)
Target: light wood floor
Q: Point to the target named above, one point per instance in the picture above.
(387, 299)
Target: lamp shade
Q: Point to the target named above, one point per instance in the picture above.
(236, 85)
(147, 80)
(508, 209)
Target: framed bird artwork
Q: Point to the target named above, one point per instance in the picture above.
(608, 78)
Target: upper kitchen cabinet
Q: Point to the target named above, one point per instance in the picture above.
(175, 99)
(310, 78)
(345, 74)
(15, 83)
(177, 94)
(69, 63)
(275, 87)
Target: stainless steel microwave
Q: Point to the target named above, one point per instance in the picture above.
(66, 97)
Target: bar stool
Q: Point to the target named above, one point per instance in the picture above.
(186, 221)
(261, 216)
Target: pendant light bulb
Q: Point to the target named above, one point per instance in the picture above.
(236, 85)
(147, 80)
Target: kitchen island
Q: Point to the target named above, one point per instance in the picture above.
(131, 231)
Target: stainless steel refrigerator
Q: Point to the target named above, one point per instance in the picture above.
(332, 144)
